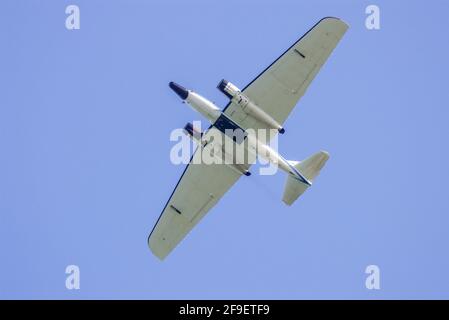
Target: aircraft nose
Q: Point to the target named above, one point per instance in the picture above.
(180, 90)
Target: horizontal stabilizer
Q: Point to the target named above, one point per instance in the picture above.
(309, 168)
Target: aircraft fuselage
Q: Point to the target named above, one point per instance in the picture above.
(253, 145)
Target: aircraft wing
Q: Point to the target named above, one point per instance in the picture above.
(200, 187)
(279, 87)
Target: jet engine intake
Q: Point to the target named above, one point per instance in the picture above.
(193, 133)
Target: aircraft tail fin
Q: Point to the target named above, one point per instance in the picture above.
(309, 168)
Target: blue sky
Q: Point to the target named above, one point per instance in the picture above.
(85, 119)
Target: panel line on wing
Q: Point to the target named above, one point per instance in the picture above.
(176, 209)
(299, 52)
(211, 197)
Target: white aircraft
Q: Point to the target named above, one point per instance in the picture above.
(264, 103)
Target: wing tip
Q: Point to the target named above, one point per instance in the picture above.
(161, 255)
(331, 17)
(344, 23)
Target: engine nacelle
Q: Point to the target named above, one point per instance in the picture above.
(249, 107)
(193, 133)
